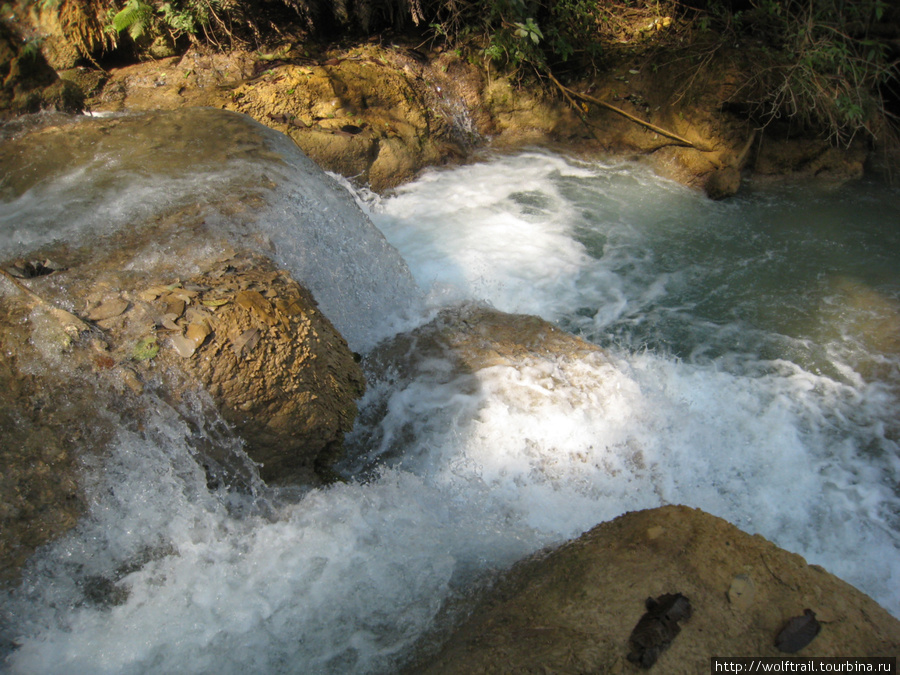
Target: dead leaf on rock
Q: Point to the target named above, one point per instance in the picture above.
(257, 305)
(197, 316)
(174, 305)
(184, 346)
(154, 292)
(150, 294)
(197, 333)
(108, 310)
(185, 294)
(131, 380)
(168, 321)
(246, 340)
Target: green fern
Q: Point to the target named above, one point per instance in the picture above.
(135, 17)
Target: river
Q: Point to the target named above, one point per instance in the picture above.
(751, 369)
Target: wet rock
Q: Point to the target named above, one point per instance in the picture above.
(48, 427)
(779, 154)
(27, 83)
(723, 183)
(108, 310)
(573, 609)
(289, 388)
(278, 369)
(477, 337)
(68, 387)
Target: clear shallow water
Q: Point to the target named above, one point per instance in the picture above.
(752, 372)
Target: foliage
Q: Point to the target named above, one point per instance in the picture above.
(536, 33)
(135, 17)
(820, 62)
(175, 18)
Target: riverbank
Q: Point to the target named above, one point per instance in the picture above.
(378, 110)
(378, 114)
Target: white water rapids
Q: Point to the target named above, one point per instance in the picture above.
(752, 371)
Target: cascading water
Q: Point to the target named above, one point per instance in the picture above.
(751, 370)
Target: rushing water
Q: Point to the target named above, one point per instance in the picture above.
(751, 370)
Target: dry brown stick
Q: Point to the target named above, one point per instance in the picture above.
(70, 322)
(668, 134)
(574, 105)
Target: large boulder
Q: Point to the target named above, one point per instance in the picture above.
(171, 311)
(275, 365)
(27, 83)
(573, 610)
(241, 331)
(476, 336)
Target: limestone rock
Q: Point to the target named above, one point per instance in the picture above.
(723, 183)
(277, 368)
(89, 340)
(44, 426)
(477, 337)
(779, 155)
(573, 609)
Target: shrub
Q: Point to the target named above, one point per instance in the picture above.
(821, 63)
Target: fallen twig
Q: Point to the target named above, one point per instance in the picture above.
(568, 93)
(70, 322)
(572, 102)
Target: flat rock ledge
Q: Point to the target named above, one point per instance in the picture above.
(573, 610)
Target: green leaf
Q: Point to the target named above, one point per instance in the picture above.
(134, 17)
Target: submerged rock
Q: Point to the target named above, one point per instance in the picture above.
(573, 609)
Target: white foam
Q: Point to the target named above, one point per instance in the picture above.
(345, 580)
(768, 425)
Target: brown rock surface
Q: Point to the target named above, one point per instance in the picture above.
(46, 430)
(277, 368)
(572, 610)
(168, 307)
(379, 114)
(475, 337)
(27, 83)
